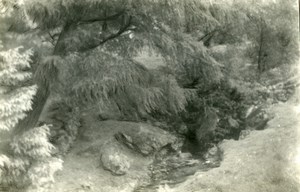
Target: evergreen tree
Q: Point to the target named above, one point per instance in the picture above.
(272, 29)
(97, 42)
(25, 161)
(15, 98)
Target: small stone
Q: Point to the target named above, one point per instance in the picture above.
(185, 155)
(244, 134)
(233, 123)
(87, 185)
(183, 129)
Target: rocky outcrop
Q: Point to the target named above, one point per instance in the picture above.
(115, 154)
(146, 139)
(173, 168)
(124, 147)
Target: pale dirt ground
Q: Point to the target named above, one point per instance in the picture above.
(82, 169)
(264, 161)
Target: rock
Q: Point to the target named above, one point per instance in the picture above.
(213, 156)
(114, 159)
(146, 139)
(87, 185)
(207, 128)
(183, 130)
(185, 155)
(63, 143)
(233, 123)
(262, 125)
(244, 134)
(174, 168)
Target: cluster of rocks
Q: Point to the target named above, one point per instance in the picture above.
(283, 91)
(167, 163)
(257, 118)
(145, 140)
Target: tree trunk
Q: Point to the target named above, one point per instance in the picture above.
(33, 115)
(49, 74)
(260, 64)
(259, 59)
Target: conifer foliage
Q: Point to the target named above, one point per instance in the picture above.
(26, 163)
(15, 100)
(95, 42)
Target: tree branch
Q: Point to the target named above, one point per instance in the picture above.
(59, 48)
(211, 33)
(111, 17)
(260, 50)
(53, 36)
(112, 36)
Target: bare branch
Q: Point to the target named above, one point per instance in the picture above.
(59, 48)
(111, 17)
(53, 36)
(123, 29)
(211, 33)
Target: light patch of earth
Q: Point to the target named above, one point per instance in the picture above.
(82, 169)
(264, 161)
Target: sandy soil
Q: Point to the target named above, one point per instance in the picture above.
(82, 169)
(264, 161)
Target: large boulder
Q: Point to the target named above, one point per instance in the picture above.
(147, 139)
(119, 143)
(114, 159)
